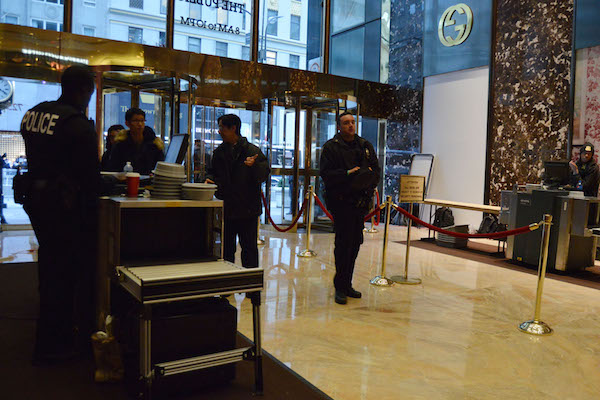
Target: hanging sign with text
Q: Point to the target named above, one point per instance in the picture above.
(225, 5)
(412, 188)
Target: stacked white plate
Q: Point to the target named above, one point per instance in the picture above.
(199, 191)
(167, 180)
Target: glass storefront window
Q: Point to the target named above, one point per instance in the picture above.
(290, 33)
(347, 14)
(357, 39)
(42, 14)
(213, 27)
(136, 21)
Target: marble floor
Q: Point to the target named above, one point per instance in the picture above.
(454, 336)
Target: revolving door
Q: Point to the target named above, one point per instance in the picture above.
(297, 127)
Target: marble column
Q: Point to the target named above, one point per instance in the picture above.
(406, 73)
(530, 115)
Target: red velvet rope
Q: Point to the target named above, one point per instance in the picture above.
(368, 217)
(323, 208)
(496, 235)
(294, 222)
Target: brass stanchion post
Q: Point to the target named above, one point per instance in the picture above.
(381, 280)
(307, 252)
(535, 326)
(405, 279)
(372, 229)
(259, 241)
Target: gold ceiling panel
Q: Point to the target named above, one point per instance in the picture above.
(39, 54)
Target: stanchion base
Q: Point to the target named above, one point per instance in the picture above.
(307, 253)
(537, 328)
(381, 281)
(260, 242)
(371, 230)
(405, 281)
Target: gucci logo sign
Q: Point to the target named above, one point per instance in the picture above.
(463, 30)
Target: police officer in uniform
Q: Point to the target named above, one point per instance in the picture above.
(59, 193)
(350, 171)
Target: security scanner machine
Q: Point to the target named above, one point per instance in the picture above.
(574, 217)
(161, 273)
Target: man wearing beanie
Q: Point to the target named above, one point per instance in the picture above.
(586, 171)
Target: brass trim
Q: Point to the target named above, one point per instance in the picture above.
(224, 79)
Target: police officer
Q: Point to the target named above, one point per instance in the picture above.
(350, 171)
(60, 195)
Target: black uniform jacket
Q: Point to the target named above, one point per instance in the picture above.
(354, 190)
(589, 173)
(239, 185)
(60, 143)
(143, 157)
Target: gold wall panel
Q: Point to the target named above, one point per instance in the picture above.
(220, 79)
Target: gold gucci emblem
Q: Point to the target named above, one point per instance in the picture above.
(463, 30)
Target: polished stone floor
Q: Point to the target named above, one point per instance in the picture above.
(454, 336)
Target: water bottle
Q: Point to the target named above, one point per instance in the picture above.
(128, 167)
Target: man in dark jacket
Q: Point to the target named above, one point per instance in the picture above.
(139, 145)
(350, 171)
(586, 171)
(112, 132)
(238, 168)
(59, 193)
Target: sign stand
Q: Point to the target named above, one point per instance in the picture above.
(412, 189)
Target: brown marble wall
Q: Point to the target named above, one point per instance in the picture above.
(529, 93)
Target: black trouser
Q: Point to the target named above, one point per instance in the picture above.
(348, 225)
(246, 230)
(66, 259)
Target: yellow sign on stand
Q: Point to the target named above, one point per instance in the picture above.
(412, 188)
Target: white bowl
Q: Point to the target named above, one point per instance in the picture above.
(199, 186)
(201, 195)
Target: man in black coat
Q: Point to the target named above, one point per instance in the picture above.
(586, 171)
(59, 193)
(238, 168)
(139, 145)
(350, 171)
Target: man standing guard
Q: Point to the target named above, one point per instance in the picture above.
(59, 193)
(238, 169)
(350, 171)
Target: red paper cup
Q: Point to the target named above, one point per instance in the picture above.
(133, 183)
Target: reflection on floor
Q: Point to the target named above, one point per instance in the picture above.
(18, 247)
(453, 337)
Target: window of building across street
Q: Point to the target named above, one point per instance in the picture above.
(135, 35)
(89, 31)
(272, 18)
(291, 33)
(294, 61)
(194, 44)
(221, 49)
(49, 25)
(11, 19)
(136, 4)
(295, 27)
